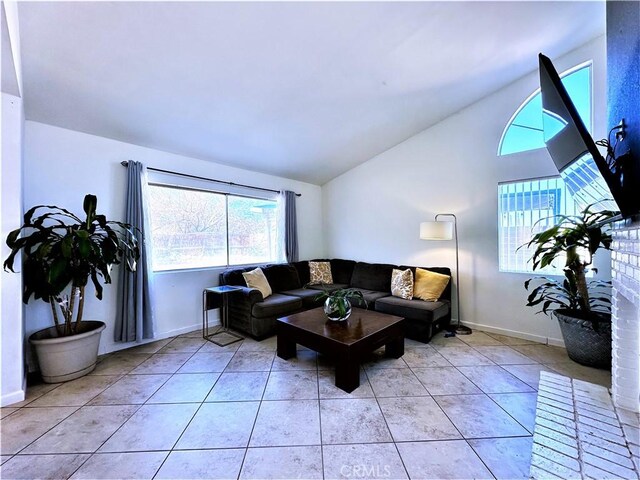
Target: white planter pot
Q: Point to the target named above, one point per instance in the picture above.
(64, 358)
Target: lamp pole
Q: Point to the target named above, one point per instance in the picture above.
(460, 329)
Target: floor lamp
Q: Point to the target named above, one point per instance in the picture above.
(446, 230)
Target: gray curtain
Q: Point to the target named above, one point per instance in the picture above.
(290, 226)
(134, 317)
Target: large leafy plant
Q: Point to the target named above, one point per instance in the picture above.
(61, 253)
(576, 239)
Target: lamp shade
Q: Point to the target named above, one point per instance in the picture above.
(436, 230)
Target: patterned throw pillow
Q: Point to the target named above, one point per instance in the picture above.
(429, 285)
(402, 283)
(320, 273)
(256, 279)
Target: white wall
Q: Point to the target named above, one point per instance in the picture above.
(11, 311)
(61, 166)
(12, 376)
(373, 212)
(11, 61)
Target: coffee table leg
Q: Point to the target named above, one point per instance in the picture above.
(395, 348)
(286, 347)
(347, 374)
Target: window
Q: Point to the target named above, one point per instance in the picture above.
(198, 228)
(524, 131)
(525, 208)
(252, 230)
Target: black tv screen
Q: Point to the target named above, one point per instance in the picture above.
(588, 176)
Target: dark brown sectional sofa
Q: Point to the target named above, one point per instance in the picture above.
(255, 316)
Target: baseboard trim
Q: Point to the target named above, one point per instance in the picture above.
(558, 342)
(13, 397)
(114, 347)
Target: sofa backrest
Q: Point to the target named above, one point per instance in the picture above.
(233, 276)
(281, 277)
(302, 268)
(372, 276)
(342, 270)
(368, 276)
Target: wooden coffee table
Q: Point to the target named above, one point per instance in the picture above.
(348, 343)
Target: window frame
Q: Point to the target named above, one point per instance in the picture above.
(226, 194)
(586, 64)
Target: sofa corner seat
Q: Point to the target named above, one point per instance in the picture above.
(422, 319)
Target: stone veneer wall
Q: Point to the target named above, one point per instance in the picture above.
(625, 274)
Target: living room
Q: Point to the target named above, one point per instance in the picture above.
(80, 96)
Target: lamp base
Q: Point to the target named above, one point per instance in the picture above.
(462, 330)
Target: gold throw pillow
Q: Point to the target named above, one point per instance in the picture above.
(429, 285)
(402, 283)
(256, 279)
(320, 273)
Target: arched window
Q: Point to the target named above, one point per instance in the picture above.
(524, 131)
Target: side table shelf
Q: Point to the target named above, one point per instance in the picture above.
(218, 297)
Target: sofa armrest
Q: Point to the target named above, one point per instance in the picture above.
(251, 295)
(241, 304)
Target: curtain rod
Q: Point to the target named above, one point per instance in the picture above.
(170, 172)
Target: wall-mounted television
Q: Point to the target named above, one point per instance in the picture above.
(590, 177)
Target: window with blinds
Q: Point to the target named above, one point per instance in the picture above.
(525, 208)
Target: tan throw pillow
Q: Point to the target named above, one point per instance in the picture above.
(402, 283)
(429, 285)
(320, 273)
(256, 279)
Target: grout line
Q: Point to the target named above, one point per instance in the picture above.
(481, 459)
(255, 420)
(320, 414)
(499, 406)
(171, 375)
(273, 360)
(393, 440)
(48, 430)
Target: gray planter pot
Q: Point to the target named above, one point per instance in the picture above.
(586, 345)
(65, 358)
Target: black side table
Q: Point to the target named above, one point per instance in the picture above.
(218, 297)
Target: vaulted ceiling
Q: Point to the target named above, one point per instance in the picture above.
(303, 90)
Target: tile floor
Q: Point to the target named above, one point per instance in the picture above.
(459, 407)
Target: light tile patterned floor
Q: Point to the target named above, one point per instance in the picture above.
(459, 407)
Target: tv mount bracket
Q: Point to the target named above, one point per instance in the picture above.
(614, 161)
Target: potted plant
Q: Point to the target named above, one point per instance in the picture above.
(337, 306)
(60, 253)
(582, 308)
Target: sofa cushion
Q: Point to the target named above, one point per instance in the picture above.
(330, 287)
(256, 279)
(370, 296)
(320, 273)
(446, 295)
(342, 270)
(402, 283)
(429, 285)
(276, 305)
(372, 276)
(413, 309)
(282, 276)
(303, 271)
(307, 296)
